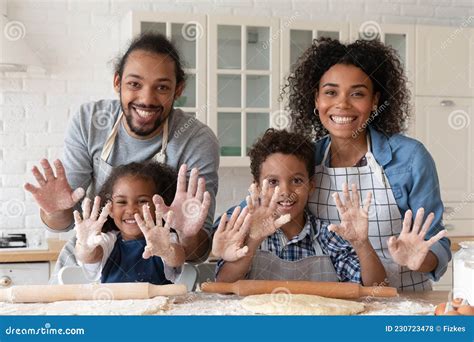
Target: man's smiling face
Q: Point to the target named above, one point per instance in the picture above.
(147, 92)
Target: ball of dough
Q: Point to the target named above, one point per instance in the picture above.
(299, 304)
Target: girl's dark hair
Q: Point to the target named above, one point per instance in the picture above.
(380, 62)
(281, 141)
(164, 178)
(154, 43)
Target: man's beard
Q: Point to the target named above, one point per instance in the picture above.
(139, 130)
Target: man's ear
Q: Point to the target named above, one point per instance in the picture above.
(179, 89)
(117, 80)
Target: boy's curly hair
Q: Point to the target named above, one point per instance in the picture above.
(163, 176)
(281, 141)
(380, 62)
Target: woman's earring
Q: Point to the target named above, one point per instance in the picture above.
(315, 111)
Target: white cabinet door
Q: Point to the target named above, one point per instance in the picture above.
(243, 82)
(445, 126)
(24, 274)
(399, 37)
(444, 61)
(188, 33)
(458, 217)
(298, 35)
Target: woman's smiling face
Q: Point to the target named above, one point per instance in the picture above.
(345, 99)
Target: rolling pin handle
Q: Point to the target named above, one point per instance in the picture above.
(377, 291)
(6, 295)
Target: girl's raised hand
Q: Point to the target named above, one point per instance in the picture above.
(190, 206)
(54, 192)
(354, 226)
(265, 217)
(410, 248)
(230, 236)
(89, 227)
(157, 236)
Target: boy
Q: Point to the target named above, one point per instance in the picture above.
(282, 239)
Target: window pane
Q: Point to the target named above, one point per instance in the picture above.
(229, 47)
(153, 27)
(300, 40)
(229, 133)
(188, 98)
(185, 36)
(258, 91)
(258, 48)
(398, 42)
(229, 91)
(257, 124)
(328, 34)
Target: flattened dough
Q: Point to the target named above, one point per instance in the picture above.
(135, 307)
(299, 304)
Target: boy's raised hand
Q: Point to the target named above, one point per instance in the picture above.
(230, 236)
(265, 217)
(157, 236)
(354, 226)
(410, 248)
(89, 227)
(190, 206)
(54, 192)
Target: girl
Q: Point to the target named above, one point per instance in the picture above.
(354, 97)
(126, 241)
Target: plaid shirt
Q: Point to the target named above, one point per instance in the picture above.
(341, 252)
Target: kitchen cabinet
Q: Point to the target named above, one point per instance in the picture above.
(444, 126)
(237, 65)
(444, 61)
(188, 32)
(243, 67)
(399, 37)
(445, 283)
(24, 273)
(402, 39)
(298, 35)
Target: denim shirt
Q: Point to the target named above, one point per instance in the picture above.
(411, 172)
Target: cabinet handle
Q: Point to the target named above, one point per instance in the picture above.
(5, 281)
(449, 226)
(447, 103)
(448, 210)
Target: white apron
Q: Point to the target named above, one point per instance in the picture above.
(105, 169)
(385, 219)
(268, 266)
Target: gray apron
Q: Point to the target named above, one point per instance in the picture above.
(105, 169)
(385, 219)
(268, 266)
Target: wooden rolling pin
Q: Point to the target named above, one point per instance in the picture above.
(325, 289)
(109, 291)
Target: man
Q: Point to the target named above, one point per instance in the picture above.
(142, 125)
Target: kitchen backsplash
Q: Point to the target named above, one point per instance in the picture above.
(77, 42)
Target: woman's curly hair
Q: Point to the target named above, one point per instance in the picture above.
(281, 141)
(380, 62)
(163, 177)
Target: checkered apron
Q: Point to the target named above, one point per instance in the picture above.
(385, 219)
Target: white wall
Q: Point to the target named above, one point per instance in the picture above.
(76, 40)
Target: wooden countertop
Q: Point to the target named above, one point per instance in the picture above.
(455, 240)
(198, 303)
(50, 254)
(55, 245)
(432, 297)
